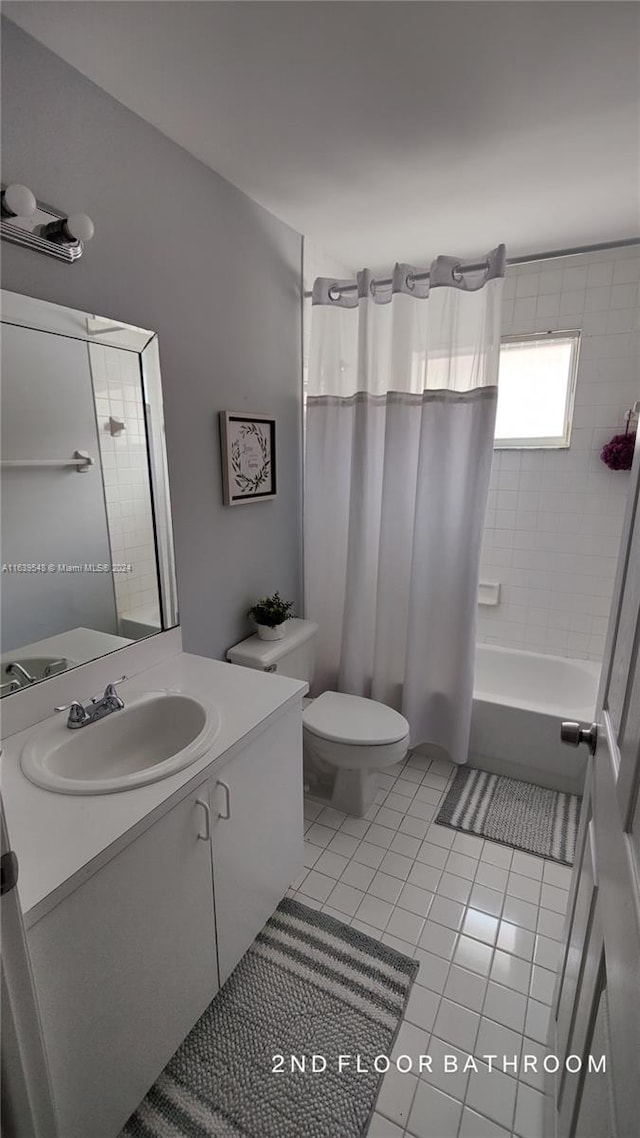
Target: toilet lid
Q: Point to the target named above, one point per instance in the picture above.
(352, 719)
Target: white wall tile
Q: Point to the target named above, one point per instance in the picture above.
(554, 517)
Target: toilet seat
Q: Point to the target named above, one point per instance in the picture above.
(354, 720)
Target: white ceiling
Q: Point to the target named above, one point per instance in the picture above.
(386, 130)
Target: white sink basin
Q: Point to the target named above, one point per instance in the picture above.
(155, 734)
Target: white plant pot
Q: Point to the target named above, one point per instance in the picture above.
(267, 633)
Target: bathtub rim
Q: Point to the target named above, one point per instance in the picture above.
(591, 668)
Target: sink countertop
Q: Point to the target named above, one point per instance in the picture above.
(57, 835)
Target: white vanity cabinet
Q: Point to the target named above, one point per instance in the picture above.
(126, 963)
(256, 803)
(123, 967)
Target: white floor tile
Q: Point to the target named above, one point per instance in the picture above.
(319, 835)
(559, 875)
(390, 818)
(462, 865)
(405, 787)
(368, 854)
(434, 1113)
(429, 854)
(513, 938)
(465, 988)
(311, 854)
(357, 827)
(486, 899)
(495, 854)
(528, 865)
(537, 1021)
(553, 898)
(422, 1007)
(332, 864)
(397, 865)
(524, 888)
(511, 971)
(416, 827)
(344, 917)
(480, 925)
(542, 984)
(547, 952)
(317, 885)
(447, 1068)
(385, 887)
(457, 1025)
(496, 1039)
(381, 1127)
(424, 876)
(412, 1041)
(433, 970)
(344, 844)
(529, 1120)
(423, 810)
(380, 835)
(396, 802)
(551, 924)
(428, 794)
(473, 954)
(407, 926)
(396, 1096)
(330, 817)
(447, 912)
(493, 1094)
(345, 898)
(474, 1126)
(441, 836)
(495, 876)
(311, 810)
(468, 844)
(455, 888)
(521, 913)
(534, 1075)
(505, 1006)
(358, 875)
(405, 844)
(410, 774)
(437, 939)
(416, 900)
(374, 912)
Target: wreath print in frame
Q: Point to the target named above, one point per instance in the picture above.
(248, 457)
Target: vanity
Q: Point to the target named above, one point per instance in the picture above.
(156, 827)
(139, 904)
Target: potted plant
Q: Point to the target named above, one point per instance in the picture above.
(269, 614)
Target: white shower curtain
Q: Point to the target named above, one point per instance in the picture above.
(399, 435)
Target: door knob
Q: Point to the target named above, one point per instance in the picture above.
(573, 734)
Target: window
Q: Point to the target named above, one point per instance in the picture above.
(536, 387)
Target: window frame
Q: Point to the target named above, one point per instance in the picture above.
(549, 442)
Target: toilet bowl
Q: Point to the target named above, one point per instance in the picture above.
(346, 734)
(357, 737)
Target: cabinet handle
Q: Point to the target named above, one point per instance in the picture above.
(206, 837)
(227, 807)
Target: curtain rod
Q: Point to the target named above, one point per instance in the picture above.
(477, 265)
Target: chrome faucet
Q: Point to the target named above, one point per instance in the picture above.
(18, 670)
(81, 716)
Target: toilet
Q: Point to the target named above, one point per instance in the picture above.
(347, 735)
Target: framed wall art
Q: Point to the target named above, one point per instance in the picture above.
(248, 457)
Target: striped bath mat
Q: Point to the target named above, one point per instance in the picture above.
(309, 985)
(520, 814)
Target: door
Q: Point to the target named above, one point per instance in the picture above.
(597, 999)
(26, 1106)
(124, 966)
(257, 835)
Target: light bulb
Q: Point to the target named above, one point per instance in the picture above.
(18, 201)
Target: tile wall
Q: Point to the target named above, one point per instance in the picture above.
(555, 517)
(118, 393)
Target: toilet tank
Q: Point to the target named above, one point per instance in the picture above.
(292, 656)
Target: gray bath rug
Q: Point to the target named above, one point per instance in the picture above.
(309, 985)
(520, 814)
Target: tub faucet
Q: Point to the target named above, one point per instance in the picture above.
(97, 708)
(16, 669)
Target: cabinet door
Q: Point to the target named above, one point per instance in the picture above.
(123, 968)
(257, 835)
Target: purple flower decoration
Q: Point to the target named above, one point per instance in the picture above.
(618, 453)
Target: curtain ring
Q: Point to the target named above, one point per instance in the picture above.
(410, 281)
(372, 288)
(456, 273)
(334, 293)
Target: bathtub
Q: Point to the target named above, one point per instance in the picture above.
(519, 701)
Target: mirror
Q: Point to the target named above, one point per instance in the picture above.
(87, 544)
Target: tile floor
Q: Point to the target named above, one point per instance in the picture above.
(484, 921)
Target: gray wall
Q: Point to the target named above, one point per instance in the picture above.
(51, 515)
(181, 251)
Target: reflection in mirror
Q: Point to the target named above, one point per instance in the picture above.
(87, 547)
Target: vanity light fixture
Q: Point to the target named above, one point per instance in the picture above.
(28, 222)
